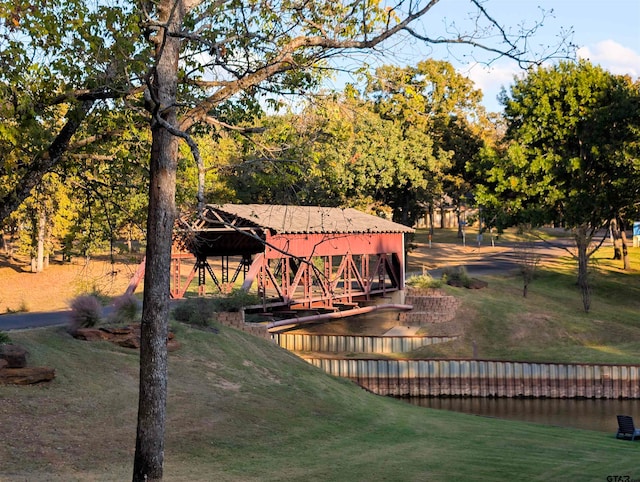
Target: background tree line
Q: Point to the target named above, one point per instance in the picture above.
(103, 100)
(396, 147)
(565, 152)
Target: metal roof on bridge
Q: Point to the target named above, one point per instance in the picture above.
(310, 219)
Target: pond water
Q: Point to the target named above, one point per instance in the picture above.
(589, 414)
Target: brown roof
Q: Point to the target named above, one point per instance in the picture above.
(310, 219)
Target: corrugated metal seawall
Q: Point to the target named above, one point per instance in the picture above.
(355, 344)
(486, 378)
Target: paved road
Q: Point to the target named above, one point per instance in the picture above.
(21, 321)
(511, 260)
(17, 321)
(484, 261)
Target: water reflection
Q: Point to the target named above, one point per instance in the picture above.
(589, 414)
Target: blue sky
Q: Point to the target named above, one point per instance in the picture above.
(607, 32)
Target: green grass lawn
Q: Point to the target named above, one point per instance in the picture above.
(550, 324)
(242, 409)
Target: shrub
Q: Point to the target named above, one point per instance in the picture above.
(23, 308)
(195, 311)
(4, 338)
(125, 310)
(456, 276)
(236, 300)
(92, 288)
(201, 311)
(424, 281)
(86, 312)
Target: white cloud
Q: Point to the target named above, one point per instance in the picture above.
(613, 57)
(610, 55)
(491, 79)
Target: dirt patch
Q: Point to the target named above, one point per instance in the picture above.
(53, 288)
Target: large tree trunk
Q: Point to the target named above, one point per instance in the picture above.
(149, 457)
(616, 238)
(620, 247)
(626, 264)
(431, 221)
(461, 224)
(4, 244)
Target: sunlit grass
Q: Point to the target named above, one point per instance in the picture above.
(242, 409)
(606, 349)
(550, 324)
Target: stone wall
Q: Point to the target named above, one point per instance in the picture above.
(235, 319)
(435, 307)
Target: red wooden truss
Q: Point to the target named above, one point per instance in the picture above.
(295, 256)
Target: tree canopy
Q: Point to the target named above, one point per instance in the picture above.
(74, 74)
(572, 156)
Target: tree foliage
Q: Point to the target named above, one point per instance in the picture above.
(76, 73)
(434, 99)
(393, 148)
(573, 152)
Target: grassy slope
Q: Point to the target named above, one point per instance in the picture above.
(550, 324)
(241, 409)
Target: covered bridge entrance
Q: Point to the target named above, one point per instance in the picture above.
(299, 257)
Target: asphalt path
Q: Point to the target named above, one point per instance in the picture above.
(512, 259)
(487, 262)
(18, 321)
(23, 321)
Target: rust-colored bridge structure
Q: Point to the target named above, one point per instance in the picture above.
(298, 257)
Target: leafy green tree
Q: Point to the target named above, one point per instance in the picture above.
(369, 161)
(63, 82)
(60, 62)
(275, 164)
(573, 157)
(434, 99)
(69, 65)
(338, 151)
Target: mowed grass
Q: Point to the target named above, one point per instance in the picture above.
(242, 409)
(550, 324)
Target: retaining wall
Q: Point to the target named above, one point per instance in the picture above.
(355, 344)
(429, 307)
(235, 319)
(486, 378)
